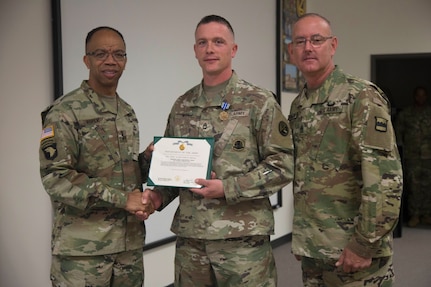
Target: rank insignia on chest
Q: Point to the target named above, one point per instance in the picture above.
(381, 124)
(205, 125)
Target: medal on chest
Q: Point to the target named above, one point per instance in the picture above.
(224, 114)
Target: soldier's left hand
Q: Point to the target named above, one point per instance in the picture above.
(211, 188)
(351, 262)
(148, 152)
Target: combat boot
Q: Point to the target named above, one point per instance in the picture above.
(426, 219)
(414, 221)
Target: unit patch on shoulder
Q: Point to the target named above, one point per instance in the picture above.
(283, 128)
(47, 143)
(381, 124)
(50, 151)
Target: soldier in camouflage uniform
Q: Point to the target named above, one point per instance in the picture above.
(413, 130)
(89, 167)
(348, 176)
(224, 227)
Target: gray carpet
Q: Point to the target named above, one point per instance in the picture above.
(412, 260)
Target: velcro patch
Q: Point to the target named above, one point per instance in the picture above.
(239, 144)
(243, 113)
(50, 151)
(379, 133)
(283, 128)
(381, 124)
(47, 132)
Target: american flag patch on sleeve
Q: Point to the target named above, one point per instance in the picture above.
(47, 132)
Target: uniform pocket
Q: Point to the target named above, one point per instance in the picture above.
(97, 149)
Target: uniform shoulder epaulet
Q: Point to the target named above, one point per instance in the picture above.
(44, 113)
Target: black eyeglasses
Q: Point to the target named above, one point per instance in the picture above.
(102, 55)
(315, 41)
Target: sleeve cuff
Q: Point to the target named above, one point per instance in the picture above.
(362, 248)
(230, 190)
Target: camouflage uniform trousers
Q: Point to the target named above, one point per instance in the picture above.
(243, 261)
(125, 269)
(323, 273)
(418, 174)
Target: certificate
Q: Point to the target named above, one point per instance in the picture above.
(178, 162)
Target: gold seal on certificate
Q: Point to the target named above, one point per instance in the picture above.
(177, 162)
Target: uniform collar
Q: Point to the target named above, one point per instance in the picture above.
(321, 94)
(98, 104)
(224, 96)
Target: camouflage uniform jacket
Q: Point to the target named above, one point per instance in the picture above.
(88, 163)
(413, 130)
(253, 156)
(348, 176)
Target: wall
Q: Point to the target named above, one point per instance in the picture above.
(161, 62)
(364, 27)
(369, 27)
(26, 88)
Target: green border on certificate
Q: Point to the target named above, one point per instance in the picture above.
(178, 161)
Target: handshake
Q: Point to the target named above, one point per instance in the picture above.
(142, 204)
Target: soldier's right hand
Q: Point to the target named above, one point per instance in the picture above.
(134, 203)
(149, 197)
(153, 196)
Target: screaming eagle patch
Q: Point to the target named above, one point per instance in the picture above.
(50, 151)
(381, 124)
(47, 143)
